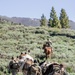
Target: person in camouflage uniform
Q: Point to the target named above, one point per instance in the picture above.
(48, 43)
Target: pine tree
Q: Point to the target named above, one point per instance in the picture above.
(64, 20)
(43, 20)
(53, 21)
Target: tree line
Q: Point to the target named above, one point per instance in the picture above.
(54, 21)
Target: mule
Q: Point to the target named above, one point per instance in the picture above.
(26, 56)
(25, 62)
(48, 51)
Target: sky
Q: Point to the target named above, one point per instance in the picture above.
(35, 8)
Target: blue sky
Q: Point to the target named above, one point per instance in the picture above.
(35, 8)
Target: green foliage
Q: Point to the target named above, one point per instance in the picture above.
(69, 69)
(39, 32)
(18, 38)
(43, 20)
(53, 21)
(64, 20)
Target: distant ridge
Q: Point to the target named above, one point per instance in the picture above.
(26, 21)
(72, 24)
(22, 20)
(31, 21)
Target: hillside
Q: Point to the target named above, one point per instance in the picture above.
(24, 21)
(30, 21)
(15, 39)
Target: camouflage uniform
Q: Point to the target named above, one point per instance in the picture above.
(35, 70)
(48, 43)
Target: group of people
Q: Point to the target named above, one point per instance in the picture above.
(25, 63)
